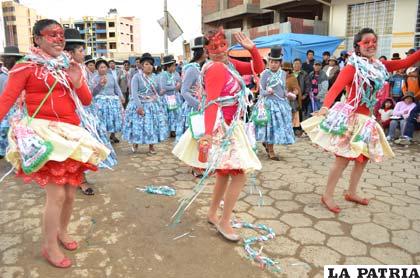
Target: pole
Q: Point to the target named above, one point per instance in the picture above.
(166, 25)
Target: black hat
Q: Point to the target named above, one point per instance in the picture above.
(197, 43)
(11, 51)
(409, 94)
(100, 60)
(275, 53)
(168, 59)
(395, 56)
(88, 59)
(411, 51)
(147, 57)
(73, 36)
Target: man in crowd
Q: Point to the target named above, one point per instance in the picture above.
(325, 58)
(114, 70)
(308, 66)
(304, 84)
(124, 80)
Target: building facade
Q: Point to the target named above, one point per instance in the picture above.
(18, 21)
(397, 22)
(111, 36)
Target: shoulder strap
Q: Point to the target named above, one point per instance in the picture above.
(43, 101)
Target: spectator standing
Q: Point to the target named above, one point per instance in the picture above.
(331, 70)
(319, 87)
(325, 58)
(412, 82)
(308, 66)
(124, 80)
(396, 83)
(305, 87)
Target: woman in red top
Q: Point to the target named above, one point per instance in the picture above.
(348, 129)
(230, 153)
(47, 145)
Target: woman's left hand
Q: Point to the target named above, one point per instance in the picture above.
(75, 74)
(243, 40)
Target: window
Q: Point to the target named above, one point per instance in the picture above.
(378, 15)
(112, 45)
(111, 24)
(417, 36)
(132, 47)
(8, 9)
(112, 34)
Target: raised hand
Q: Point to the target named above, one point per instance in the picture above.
(75, 74)
(243, 40)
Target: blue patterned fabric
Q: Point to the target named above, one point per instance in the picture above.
(151, 128)
(111, 160)
(110, 112)
(279, 129)
(4, 129)
(174, 116)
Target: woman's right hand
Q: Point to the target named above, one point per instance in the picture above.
(102, 81)
(140, 111)
(206, 139)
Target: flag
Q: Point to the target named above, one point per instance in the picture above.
(174, 31)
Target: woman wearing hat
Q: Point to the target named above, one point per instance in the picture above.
(349, 130)
(9, 58)
(170, 84)
(146, 120)
(331, 70)
(191, 89)
(224, 147)
(400, 114)
(273, 99)
(89, 68)
(108, 99)
(47, 145)
(75, 48)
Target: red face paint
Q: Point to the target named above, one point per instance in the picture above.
(53, 34)
(217, 43)
(368, 42)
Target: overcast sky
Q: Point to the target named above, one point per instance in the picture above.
(186, 12)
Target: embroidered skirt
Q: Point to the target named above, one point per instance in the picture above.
(74, 151)
(110, 112)
(151, 128)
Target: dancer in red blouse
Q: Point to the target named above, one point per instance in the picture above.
(225, 96)
(348, 130)
(47, 145)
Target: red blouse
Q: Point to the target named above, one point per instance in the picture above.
(345, 79)
(215, 79)
(59, 106)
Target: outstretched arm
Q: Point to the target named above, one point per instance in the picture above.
(244, 68)
(392, 65)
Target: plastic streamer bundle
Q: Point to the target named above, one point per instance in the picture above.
(159, 190)
(265, 262)
(214, 159)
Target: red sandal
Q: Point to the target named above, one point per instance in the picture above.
(350, 198)
(335, 209)
(64, 263)
(71, 246)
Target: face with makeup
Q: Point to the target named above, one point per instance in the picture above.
(217, 48)
(51, 40)
(368, 45)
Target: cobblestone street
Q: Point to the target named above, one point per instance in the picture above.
(124, 232)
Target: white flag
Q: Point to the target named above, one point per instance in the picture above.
(174, 31)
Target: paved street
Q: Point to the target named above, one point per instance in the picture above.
(124, 232)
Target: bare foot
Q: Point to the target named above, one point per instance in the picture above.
(54, 253)
(330, 204)
(65, 237)
(227, 227)
(213, 219)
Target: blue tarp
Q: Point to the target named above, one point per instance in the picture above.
(296, 45)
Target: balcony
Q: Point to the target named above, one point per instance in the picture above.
(100, 31)
(289, 4)
(232, 13)
(102, 51)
